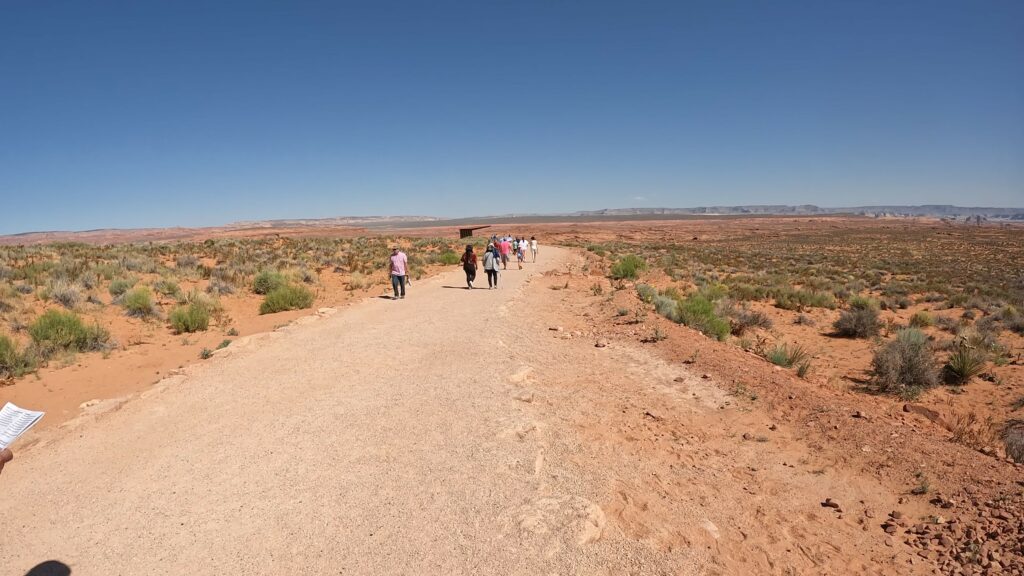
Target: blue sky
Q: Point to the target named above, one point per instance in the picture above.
(138, 113)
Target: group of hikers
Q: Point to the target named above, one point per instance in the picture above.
(496, 257)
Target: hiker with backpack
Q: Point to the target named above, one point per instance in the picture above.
(468, 262)
(492, 262)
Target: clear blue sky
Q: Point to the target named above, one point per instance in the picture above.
(138, 113)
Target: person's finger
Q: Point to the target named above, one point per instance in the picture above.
(6, 456)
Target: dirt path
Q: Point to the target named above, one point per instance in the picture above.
(448, 433)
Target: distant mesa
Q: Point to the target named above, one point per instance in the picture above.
(354, 225)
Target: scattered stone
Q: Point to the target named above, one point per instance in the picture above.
(706, 376)
(830, 503)
(679, 379)
(601, 343)
(556, 328)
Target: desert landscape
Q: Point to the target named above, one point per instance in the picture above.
(728, 395)
(668, 288)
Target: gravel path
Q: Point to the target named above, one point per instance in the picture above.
(388, 438)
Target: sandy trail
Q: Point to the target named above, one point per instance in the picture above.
(448, 433)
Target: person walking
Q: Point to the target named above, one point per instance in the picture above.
(469, 265)
(491, 264)
(398, 263)
(533, 247)
(505, 248)
(521, 252)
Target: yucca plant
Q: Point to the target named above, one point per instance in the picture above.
(787, 357)
(965, 362)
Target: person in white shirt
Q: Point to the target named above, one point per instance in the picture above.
(533, 247)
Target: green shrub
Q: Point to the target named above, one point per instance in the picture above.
(667, 307)
(628, 267)
(167, 287)
(138, 303)
(965, 362)
(119, 286)
(194, 317)
(905, 366)
(646, 292)
(790, 299)
(449, 258)
(921, 319)
(697, 312)
(786, 356)
(287, 297)
(858, 323)
(267, 281)
(56, 330)
(15, 363)
(863, 303)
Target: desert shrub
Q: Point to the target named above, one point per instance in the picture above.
(1016, 325)
(359, 281)
(267, 281)
(1013, 440)
(903, 302)
(119, 286)
(744, 291)
(790, 299)
(646, 292)
(219, 287)
(667, 307)
(965, 362)
(974, 432)
(142, 264)
(921, 319)
(448, 258)
(804, 320)
(787, 356)
(860, 321)
(23, 289)
(905, 366)
(947, 323)
(187, 261)
(13, 362)
(697, 312)
(307, 276)
(193, 317)
(167, 287)
(628, 267)
(138, 303)
(969, 314)
(64, 292)
(287, 297)
(803, 369)
(744, 319)
(56, 330)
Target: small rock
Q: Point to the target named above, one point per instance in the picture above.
(706, 376)
(747, 436)
(830, 503)
(679, 379)
(601, 343)
(556, 328)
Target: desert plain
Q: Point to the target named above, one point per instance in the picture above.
(769, 395)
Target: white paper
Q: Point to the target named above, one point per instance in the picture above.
(14, 422)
